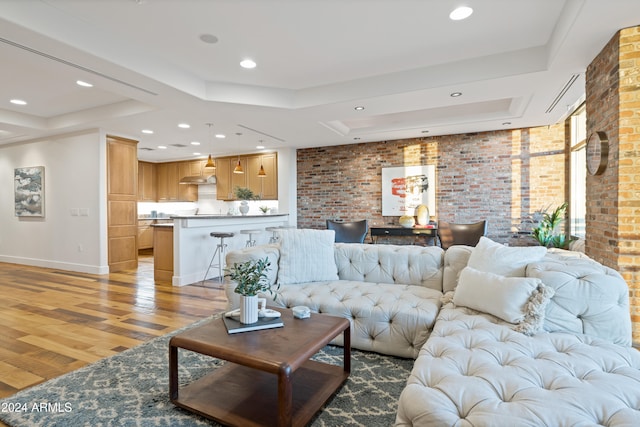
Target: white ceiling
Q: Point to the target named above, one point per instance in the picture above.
(518, 63)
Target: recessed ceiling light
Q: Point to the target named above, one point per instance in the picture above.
(196, 154)
(162, 147)
(506, 123)
(460, 13)
(209, 38)
(83, 83)
(456, 94)
(18, 102)
(195, 143)
(220, 136)
(248, 63)
(184, 125)
(425, 131)
(357, 138)
(147, 131)
(259, 147)
(359, 108)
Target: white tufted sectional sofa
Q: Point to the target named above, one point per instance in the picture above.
(472, 368)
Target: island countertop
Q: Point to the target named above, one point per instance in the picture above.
(193, 245)
(220, 216)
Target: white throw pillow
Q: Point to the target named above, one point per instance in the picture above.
(517, 300)
(306, 256)
(508, 261)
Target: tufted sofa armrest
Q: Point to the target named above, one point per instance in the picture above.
(589, 298)
(393, 264)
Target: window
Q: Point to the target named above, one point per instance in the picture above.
(577, 206)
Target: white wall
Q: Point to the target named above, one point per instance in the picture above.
(74, 179)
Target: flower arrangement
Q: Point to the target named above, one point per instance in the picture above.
(251, 277)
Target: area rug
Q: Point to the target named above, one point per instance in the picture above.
(131, 389)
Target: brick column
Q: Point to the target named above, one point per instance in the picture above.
(613, 198)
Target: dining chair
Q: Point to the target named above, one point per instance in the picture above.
(450, 233)
(349, 231)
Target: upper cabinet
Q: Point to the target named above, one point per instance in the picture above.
(266, 187)
(146, 182)
(161, 181)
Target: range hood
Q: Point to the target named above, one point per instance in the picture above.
(198, 179)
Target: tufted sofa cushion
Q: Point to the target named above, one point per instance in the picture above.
(409, 265)
(385, 318)
(475, 371)
(589, 298)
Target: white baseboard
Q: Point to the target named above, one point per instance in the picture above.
(59, 265)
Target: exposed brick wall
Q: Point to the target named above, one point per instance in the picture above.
(501, 176)
(613, 198)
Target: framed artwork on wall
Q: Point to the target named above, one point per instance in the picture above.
(29, 191)
(405, 187)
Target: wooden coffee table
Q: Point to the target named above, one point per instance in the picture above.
(270, 380)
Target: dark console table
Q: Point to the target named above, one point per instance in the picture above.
(415, 232)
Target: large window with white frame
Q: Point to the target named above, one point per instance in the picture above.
(578, 172)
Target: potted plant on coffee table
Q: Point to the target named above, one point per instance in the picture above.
(251, 279)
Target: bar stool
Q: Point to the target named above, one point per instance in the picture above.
(251, 241)
(274, 234)
(220, 249)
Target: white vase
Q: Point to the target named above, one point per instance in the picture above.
(248, 309)
(244, 207)
(422, 215)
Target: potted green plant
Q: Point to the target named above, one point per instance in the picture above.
(547, 233)
(244, 194)
(251, 279)
(264, 209)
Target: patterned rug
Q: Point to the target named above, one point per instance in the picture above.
(131, 389)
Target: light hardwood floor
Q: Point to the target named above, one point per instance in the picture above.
(53, 322)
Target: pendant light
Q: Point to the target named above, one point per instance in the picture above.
(238, 168)
(211, 163)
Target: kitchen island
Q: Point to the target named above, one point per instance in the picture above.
(193, 246)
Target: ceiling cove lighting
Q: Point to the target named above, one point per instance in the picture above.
(248, 64)
(18, 102)
(211, 164)
(460, 13)
(83, 83)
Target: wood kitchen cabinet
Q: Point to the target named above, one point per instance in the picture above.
(146, 182)
(186, 192)
(265, 187)
(168, 186)
(145, 234)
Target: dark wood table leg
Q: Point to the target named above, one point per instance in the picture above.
(285, 397)
(173, 372)
(346, 338)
